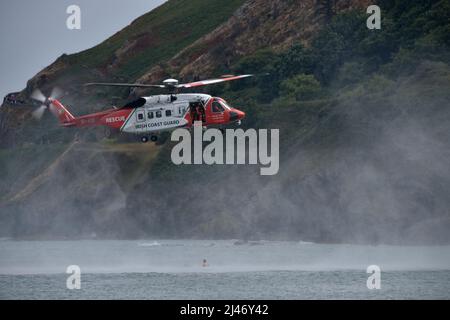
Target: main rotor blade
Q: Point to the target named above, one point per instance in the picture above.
(56, 93)
(130, 85)
(39, 112)
(52, 109)
(212, 81)
(38, 95)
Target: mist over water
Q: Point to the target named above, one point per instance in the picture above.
(186, 256)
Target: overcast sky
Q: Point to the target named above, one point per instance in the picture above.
(34, 33)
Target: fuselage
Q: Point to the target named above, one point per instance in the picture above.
(163, 112)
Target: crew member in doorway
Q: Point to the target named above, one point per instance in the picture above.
(197, 112)
(201, 112)
(194, 112)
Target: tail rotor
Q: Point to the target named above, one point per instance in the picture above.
(46, 102)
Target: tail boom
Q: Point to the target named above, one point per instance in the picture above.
(64, 116)
(113, 118)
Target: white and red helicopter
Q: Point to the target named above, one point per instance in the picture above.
(148, 116)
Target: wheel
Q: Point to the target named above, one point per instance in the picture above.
(154, 138)
(144, 139)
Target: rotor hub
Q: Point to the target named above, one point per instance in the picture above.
(171, 82)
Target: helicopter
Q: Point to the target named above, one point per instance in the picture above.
(148, 116)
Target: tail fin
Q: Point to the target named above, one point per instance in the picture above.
(64, 116)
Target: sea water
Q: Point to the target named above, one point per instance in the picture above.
(174, 269)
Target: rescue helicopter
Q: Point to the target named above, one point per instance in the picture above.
(148, 116)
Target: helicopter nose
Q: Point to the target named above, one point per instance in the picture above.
(236, 115)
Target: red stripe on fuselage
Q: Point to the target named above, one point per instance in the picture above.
(117, 118)
(113, 118)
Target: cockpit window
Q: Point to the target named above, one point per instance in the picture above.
(217, 107)
(225, 104)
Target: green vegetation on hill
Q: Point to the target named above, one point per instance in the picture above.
(159, 35)
(345, 52)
